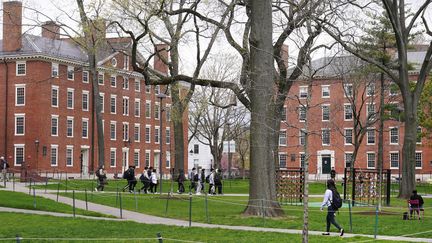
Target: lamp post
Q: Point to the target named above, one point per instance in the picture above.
(161, 96)
(37, 152)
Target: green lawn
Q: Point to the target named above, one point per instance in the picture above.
(228, 210)
(25, 201)
(85, 229)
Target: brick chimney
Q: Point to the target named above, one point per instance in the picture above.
(161, 53)
(12, 25)
(51, 30)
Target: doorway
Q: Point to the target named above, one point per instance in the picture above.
(84, 161)
(326, 163)
(125, 159)
(156, 161)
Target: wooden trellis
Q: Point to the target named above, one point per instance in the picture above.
(289, 185)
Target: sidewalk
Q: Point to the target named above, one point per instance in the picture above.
(149, 219)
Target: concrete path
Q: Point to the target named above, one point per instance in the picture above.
(149, 219)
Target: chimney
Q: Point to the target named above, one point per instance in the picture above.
(161, 52)
(284, 54)
(12, 25)
(51, 30)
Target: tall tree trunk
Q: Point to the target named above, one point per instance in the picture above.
(262, 191)
(409, 147)
(177, 121)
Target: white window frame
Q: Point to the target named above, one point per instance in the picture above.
(302, 156)
(421, 159)
(113, 97)
(148, 135)
(85, 92)
(125, 62)
(111, 157)
(69, 147)
(322, 112)
(168, 160)
(368, 105)
(55, 147)
(55, 70)
(147, 158)
(283, 154)
(157, 111)
(125, 105)
(137, 127)
(137, 112)
(137, 163)
(101, 74)
(20, 86)
(345, 135)
(390, 161)
(302, 92)
(390, 135)
(300, 112)
(345, 112)
(327, 89)
(282, 132)
(113, 78)
(125, 131)
(19, 115)
(84, 121)
(345, 158)
(370, 87)
(345, 90)
(125, 84)
(70, 118)
(17, 64)
(102, 98)
(148, 110)
(167, 135)
(137, 85)
(367, 136)
(85, 77)
(367, 159)
(55, 87)
(70, 91)
(157, 135)
(115, 130)
(70, 68)
(56, 117)
(148, 89)
(19, 146)
(302, 137)
(322, 136)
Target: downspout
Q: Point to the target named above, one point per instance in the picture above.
(6, 107)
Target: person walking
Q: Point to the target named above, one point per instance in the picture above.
(331, 209)
(102, 178)
(201, 181)
(129, 175)
(4, 167)
(218, 181)
(211, 181)
(193, 177)
(145, 180)
(333, 174)
(154, 182)
(180, 180)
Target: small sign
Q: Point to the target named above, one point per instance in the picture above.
(232, 146)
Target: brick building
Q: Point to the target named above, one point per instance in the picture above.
(330, 121)
(47, 106)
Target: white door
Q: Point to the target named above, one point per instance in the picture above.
(85, 161)
(156, 161)
(125, 159)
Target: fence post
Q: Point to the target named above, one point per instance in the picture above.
(46, 181)
(190, 208)
(376, 221)
(13, 180)
(159, 236)
(121, 209)
(117, 196)
(345, 184)
(388, 187)
(206, 207)
(58, 190)
(73, 202)
(350, 215)
(34, 197)
(30, 186)
(86, 201)
(353, 186)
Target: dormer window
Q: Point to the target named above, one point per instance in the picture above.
(54, 70)
(114, 62)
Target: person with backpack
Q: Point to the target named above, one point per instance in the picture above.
(211, 180)
(193, 177)
(333, 202)
(153, 181)
(180, 180)
(201, 181)
(218, 181)
(102, 178)
(145, 180)
(129, 175)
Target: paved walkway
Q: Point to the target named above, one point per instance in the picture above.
(149, 219)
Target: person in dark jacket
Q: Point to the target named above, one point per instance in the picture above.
(327, 202)
(145, 180)
(414, 207)
(333, 174)
(4, 166)
(218, 181)
(129, 175)
(180, 180)
(102, 178)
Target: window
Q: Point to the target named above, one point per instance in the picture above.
(70, 98)
(348, 134)
(325, 112)
(21, 68)
(54, 125)
(101, 78)
(157, 111)
(283, 115)
(394, 160)
(348, 159)
(54, 155)
(137, 108)
(148, 89)
(137, 132)
(302, 137)
(125, 131)
(157, 134)
(137, 158)
(84, 131)
(147, 133)
(348, 90)
(167, 135)
(85, 100)
(113, 130)
(125, 106)
(370, 132)
(302, 113)
(137, 85)
(147, 158)
(148, 109)
(394, 135)
(19, 153)
(282, 138)
(19, 94)
(113, 81)
(69, 127)
(196, 149)
(370, 159)
(54, 70)
(113, 155)
(19, 124)
(282, 160)
(69, 155)
(70, 73)
(126, 62)
(85, 77)
(125, 83)
(168, 159)
(325, 136)
(54, 96)
(348, 112)
(157, 89)
(370, 89)
(418, 160)
(303, 92)
(102, 101)
(168, 112)
(370, 111)
(113, 104)
(325, 91)
(302, 160)
(419, 135)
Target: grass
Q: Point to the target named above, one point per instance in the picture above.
(228, 211)
(85, 229)
(25, 201)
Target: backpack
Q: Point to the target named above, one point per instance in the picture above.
(98, 173)
(336, 201)
(217, 179)
(126, 174)
(195, 178)
(207, 179)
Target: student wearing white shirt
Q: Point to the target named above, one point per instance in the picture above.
(327, 202)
